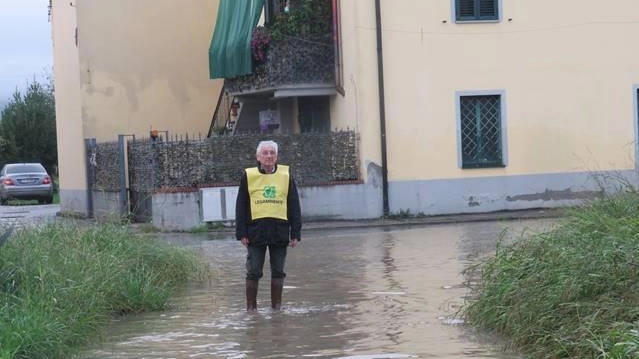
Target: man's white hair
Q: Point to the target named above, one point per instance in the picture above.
(263, 144)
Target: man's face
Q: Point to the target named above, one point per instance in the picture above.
(267, 156)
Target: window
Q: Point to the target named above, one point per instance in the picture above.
(481, 131)
(25, 168)
(314, 114)
(476, 10)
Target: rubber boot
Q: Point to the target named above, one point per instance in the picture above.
(251, 295)
(277, 284)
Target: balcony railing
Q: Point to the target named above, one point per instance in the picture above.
(292, 65)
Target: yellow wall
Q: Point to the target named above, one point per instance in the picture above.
(358, 108)
(144, 64)
(137, 65)
(68, 107)
(566, 68)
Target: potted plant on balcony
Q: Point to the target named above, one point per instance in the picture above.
(310, 20)
(260, 40)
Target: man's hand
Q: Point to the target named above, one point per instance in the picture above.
(293, 242)
(245, 241)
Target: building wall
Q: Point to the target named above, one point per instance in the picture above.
(567, 77)
(358, 108)
(144, 64)
(71, 154)
(566, 70)
(134, 66)
(185, 211)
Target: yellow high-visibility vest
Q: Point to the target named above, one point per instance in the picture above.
(268, 192)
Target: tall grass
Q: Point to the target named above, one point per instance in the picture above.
(59, 284)
(569, 293)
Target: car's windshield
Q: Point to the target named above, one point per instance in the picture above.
(26, 168)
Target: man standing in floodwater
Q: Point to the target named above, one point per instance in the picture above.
(267, 216)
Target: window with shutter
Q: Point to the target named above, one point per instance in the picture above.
(481, 137)
(465, 9)
(476, 10)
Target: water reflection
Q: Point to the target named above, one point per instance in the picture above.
(378, 293)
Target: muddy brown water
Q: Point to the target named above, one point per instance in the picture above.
(359, 294)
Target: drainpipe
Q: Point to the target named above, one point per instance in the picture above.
(382, 105)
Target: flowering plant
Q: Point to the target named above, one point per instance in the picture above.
(260, 40)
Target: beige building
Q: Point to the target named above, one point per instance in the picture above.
(482, 105)
(126, 67)
(488, 105)
(507, 104)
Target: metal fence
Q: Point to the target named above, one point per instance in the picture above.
(290, 61)
(186, 164)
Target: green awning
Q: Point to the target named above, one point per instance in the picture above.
(230, 50)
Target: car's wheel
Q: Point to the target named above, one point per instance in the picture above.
(3, 201)
(49, 200)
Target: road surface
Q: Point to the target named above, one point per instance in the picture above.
(27, 214)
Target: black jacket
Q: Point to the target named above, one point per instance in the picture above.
(267, 230)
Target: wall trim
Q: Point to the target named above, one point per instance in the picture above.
(498, 193)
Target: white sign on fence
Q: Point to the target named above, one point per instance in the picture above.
(218, 204)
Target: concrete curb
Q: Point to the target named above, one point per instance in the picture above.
(316, 225)
(433, 220)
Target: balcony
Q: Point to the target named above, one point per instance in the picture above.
(293, 54)
(293, 67)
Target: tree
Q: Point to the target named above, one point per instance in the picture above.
(27, 127)
(7, 151)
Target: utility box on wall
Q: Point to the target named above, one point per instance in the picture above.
(218, 204)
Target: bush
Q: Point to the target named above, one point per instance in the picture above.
(569, 293)
(59, 284)
(27, 127)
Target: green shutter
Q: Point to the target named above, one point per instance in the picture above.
(488, 10)
(481, 131)
(465, 9)
(230, 50)
(473, 10)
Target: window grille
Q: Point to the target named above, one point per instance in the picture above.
(476, 10)
(481, 135)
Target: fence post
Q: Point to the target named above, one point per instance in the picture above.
(124, 203)
(91, 164)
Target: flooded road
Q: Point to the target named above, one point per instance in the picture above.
(366, 294)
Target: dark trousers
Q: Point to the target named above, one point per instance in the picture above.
(255, 261)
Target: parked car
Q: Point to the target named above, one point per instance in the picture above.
(25, 181)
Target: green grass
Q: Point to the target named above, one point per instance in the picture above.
(569, 293)
(146, 228)
(21, 202)
(60, 284)
(404, 214)
(207, 227)
(203, 228)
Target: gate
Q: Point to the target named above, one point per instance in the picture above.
(119, 184)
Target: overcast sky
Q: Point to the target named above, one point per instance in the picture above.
(25, 44)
